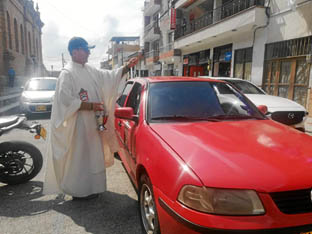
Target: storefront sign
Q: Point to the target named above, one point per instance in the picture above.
(173, 21)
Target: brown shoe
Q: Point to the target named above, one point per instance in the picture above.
(92, 196)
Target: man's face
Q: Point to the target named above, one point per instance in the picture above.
(81, 55)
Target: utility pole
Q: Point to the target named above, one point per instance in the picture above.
(63, 60)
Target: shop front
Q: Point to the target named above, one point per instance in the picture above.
(222, 58)
(196, 64)
(287, 69)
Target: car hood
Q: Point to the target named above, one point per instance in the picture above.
(252, 154)
(275, 103)
(39, 95)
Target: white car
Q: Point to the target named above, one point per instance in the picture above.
(280, 109)
(37, 95)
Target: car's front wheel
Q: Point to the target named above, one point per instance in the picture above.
(147, 207)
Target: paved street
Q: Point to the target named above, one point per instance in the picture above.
(24, 209)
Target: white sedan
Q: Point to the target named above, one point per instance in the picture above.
(37, 95)
(280, 109)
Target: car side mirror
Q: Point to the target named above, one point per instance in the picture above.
(126, 113)
(263, 109)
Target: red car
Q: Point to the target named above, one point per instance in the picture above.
(206, 161)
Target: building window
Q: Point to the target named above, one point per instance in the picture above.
(16, 36)
(29, 43)
(22, 39)
(243, 63)
(286, 70)
(222, 58)
(9, 31)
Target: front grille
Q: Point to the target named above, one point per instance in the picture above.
(293, 202)
(288, 117)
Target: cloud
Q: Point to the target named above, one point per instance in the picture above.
(97, 22)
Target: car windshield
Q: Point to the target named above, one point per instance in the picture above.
(245, 87)
(41, 85)
(196, 101)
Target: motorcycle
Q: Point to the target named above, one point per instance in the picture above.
(20, 161)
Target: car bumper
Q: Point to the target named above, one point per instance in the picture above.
(32, 108)
(176, 218)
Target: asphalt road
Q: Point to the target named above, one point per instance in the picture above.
(25, 210)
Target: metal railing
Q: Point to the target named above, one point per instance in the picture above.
(211, 17)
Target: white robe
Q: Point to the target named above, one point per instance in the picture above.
(75, 148)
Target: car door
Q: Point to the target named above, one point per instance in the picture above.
(119, 123)
(130, 127)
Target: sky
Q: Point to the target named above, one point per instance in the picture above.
(95, 20)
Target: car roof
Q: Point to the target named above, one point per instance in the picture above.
(157, 79)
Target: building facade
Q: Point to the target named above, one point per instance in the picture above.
(161, 58)
(268, 42)
(120, 48)
(20, 39)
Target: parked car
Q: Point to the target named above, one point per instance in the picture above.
(37, 95)
(280, 109)
(205, 162)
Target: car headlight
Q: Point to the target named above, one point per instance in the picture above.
(221, 201)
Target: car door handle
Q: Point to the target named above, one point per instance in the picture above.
(119, 123)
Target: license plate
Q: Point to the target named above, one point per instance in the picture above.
(310, 232)
(43, 132)
(41, 108)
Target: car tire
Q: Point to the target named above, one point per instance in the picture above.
(147, 207)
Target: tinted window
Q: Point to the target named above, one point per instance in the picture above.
(134, 98)
(41, 84)
(197, 100)
(121, 100)
(245, 87)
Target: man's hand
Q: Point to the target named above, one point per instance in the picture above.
(92, 106)
(98, 106)
(131, 63)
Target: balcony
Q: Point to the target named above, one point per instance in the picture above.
(235, 17)
(151, 7)
(228, 10)
(152, 32)
(168, 52)
(152, 56)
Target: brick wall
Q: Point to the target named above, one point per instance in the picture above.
(25, 47)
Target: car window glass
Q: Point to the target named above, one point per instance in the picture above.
(197, 100)
(134, 98)
(41, 85)
(245, 87)
(121, 100)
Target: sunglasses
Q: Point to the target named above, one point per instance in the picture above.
(86, 49)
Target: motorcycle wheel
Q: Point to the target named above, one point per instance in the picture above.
(20, 162)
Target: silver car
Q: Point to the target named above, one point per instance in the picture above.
(37, 95)
(280, 109)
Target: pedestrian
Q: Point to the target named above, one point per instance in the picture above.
(77, 151)
(11, 74)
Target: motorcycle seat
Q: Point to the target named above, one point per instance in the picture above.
(8, 120)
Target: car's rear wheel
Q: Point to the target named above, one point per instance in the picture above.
(147, 207)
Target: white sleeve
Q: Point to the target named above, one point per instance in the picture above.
(66, 103)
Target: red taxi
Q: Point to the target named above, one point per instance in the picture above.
(205, 159)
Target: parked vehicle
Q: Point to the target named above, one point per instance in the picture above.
(206, 162)
(37, 95)
(280, 109)
(20, 161)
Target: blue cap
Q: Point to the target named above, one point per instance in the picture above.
(77, 43)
